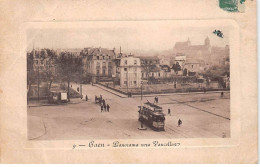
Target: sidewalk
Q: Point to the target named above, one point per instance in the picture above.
(152, 95)
(186, 93)
(111, 91)
(45, 103)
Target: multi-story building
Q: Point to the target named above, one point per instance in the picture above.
(129, 72)
(99, 63)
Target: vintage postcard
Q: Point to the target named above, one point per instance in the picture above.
(97, 87)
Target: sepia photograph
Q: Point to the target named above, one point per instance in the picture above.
(128, 80)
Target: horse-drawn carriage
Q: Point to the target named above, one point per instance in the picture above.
(98, 100)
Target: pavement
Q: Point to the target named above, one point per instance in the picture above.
(204, 115)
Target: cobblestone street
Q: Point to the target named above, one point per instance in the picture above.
(204, 115)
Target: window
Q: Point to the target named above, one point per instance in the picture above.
(103, 57)
(98, 57)
(125, 82)
(159, 74)
(109, 64)
(135, 82)
(125, 69)
(104, 72)
(109, 72)
(135, 62)
(104, 64)
(98, 64)
(98, 72)
(109, 57)
(191, 66)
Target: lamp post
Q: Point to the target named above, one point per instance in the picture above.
(141, 108)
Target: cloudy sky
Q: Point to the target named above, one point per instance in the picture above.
(130, 36)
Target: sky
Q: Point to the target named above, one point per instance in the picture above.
(130, 36)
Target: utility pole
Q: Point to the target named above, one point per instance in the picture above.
(38, 78)
(127, 79)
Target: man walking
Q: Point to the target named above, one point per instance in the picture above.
(108, 107)
(105, 107)
(169, 111)
(179, 123)
(86, 98)
(101, 108)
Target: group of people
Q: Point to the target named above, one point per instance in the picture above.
(103, 106)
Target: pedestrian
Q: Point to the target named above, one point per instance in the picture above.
(108, 107)
(179, 123)
(105, 107)
(86, 98)
(95, 99)
(169, 111)
(104, 102)
(157, 99)
(175, 85)
(101, 108)
(222, 94)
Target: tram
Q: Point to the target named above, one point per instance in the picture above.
(152, 115)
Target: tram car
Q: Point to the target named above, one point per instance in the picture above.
(152, 115)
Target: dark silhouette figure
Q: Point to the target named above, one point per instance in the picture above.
(105, 107)
(179, 123)
(108, 107)
(169, 111)
(101, 108)
(86, 98)
(222, 94)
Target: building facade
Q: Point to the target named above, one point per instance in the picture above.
(98, 63)
(129, 72)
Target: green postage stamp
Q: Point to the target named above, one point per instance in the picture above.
(232, 5)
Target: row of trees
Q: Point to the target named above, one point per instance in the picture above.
(62, 67)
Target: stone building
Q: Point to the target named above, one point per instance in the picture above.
(129, 72)
(199, 57)
(98, 64)
(206, 54)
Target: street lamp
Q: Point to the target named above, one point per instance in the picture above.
(141, 108)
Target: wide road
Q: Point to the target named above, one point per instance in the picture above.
(203, 116)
